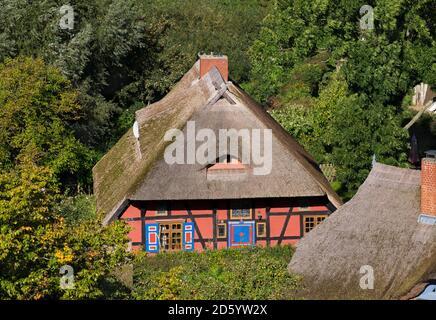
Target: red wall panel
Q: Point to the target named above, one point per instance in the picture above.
(276, 225)
(132, 212)
(135, 232)
(293, 228)
(205, 226)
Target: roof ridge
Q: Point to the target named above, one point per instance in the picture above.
(390, 173)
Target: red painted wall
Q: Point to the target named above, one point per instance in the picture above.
(280, 211)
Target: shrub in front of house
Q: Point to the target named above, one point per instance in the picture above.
(248, 273)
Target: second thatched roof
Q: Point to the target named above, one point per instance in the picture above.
(377, 228)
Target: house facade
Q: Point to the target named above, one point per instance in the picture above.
(215, 224)
(227, 199)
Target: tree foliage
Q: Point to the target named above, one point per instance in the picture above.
(38, 153)
(339, 89)
(36, 241)
(124, 52)
(37, 108)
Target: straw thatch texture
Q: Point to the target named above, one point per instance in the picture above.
(122, 175)
(379, 228)
(120, 171)
(288, 177)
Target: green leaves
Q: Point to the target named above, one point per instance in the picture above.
(37, 108)
(250, 273)
(36, 240)
(38, 152)
(348, 105)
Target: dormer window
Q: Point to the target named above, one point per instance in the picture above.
(227, 168)
(227, 162)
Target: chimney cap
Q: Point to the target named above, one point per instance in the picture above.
(430, 153)
(211, 55)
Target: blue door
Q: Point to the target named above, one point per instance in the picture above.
(241, 233)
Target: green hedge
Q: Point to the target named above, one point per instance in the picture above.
(249, 273)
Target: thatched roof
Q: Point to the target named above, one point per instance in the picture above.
(377, 227)
(125, 174)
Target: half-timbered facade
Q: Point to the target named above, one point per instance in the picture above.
(222, 204)
(214, 224)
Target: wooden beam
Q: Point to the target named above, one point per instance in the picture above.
(143, 212)
(285, 224)
(268, 232)
(214, 225)
(418, 115)
(197, 229)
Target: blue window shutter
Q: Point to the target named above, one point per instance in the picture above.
(188, 236)
(152, 237)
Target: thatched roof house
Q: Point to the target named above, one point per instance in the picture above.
(223, 201)
(379, 228)
(134, 169)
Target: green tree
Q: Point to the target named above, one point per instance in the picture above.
(124, 52)
(107, 55)
(38, 151)
(37, 107)
(353, 106)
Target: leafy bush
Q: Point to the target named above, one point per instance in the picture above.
(249, 273)
(36, 241)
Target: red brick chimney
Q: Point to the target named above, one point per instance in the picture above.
(207, 61)
(428, 188)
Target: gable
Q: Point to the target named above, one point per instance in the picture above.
(287, 178)
(134, 169)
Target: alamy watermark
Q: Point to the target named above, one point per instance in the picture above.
(367, 17)
(255, 151)
(67, 279)
(67, 19)
(366, 282)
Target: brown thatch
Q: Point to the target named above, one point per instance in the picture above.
(125, 174)
(379, 228)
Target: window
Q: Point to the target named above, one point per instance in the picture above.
(170, 236)
(261, 229)
(240, 213)
(162, 209)
(311, 222)
(241, 210)
(222, 230)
